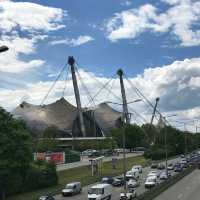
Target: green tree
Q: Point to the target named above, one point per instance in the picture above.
(15, 150)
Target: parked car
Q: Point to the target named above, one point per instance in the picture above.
(72, 189)
(46, 197)
(161, 166)
(131, 194)
(132, 183)
(100, 192)
(108, 180)
(118, 181)
(133, 174)
(154, 166)
(88, 152)
(170, 166)
(151, 181)
(138, 167)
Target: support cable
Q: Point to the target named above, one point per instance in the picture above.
(52, 86)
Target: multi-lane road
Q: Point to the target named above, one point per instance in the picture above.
(115, 190)
(187, 188)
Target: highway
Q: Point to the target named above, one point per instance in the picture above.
(187, 188)
(115, 190)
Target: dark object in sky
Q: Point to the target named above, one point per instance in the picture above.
(3, 48)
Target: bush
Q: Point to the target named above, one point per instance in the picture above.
(39, 175)
(72, 156)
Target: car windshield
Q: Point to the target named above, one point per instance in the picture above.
(69, 186)
(95, 191)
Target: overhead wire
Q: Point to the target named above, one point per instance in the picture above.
(52, 86)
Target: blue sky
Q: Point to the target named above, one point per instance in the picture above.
(156, 42)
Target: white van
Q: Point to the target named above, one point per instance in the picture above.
(133, 174)
(100, 191)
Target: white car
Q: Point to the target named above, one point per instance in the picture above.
(88, 152)
(151, 181)
(131, 194)
(72, 189)
(138, 167)
(133, 183)
(133, 174)
(183, 161)
(154, 173)
(164, 175)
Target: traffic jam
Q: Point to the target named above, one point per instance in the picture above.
(138, 180)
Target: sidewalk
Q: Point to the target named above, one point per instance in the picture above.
(85, 161)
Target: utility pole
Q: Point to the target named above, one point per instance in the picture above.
(71, 62)
(166, 153)
(126, 120)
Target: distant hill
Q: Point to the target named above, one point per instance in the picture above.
(64, 116)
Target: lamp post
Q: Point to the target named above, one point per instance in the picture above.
(3, 49)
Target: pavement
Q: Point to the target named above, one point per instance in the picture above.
(187, 188)
(115, 190)
(85, 161)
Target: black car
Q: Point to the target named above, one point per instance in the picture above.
(46, 197)
(108, 180)
(119, 181)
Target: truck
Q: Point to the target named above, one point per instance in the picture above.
(100, 192)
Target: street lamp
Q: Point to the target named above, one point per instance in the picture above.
(3, 49)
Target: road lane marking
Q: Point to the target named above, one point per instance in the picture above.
(180, 196)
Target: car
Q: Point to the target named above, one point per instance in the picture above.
(72, 189)
(132, 183)
(154, 173)
(108, 180)
(132, 174)
(129, 195)
(170, 166)
(161, 166)
(100, 191)
(178, 168)
(164, 175)
(118, 181)
(138, 167)
(183, 161)
(46, 197)
(182, 156)
(88, 152)
(154, 166)
(151, 181)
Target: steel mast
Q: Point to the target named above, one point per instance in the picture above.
(71, 62)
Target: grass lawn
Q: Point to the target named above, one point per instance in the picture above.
(82, 174)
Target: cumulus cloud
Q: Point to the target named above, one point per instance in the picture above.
(34, 21)
(179, 20)
(29, 16)
(82, 39)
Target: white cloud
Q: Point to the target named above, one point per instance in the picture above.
(34, 21)
(178, 20)
(82, 39)
(29, 16)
